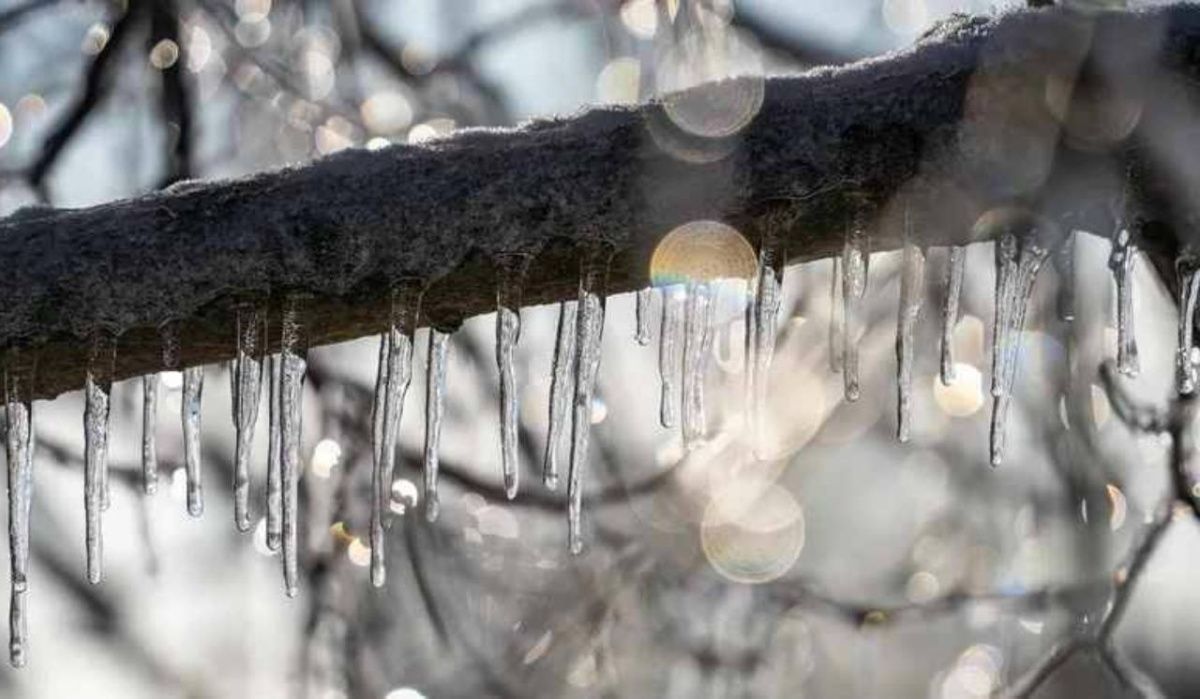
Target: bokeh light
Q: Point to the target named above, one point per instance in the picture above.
(752, 531)
(701, 251)
(964, 396)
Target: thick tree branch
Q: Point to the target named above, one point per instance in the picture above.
(1029, 112)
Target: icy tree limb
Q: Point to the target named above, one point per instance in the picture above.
(1029, 110)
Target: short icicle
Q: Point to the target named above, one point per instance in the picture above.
(1020, 254)
(395, 375)
(670, 352)
(1187, 357)
(837, 355)
(912, 293)
(589, 331)
(642, 334)
(562, 391)
(435, 409)
(511, 271)
(247, 390)
(956, 265)
(761, 333)
(97, 399)
(18, 387)
(293, 350)
(699, 300)
(193, 391)
(274, 457)
(855, 263)
(1120, 261)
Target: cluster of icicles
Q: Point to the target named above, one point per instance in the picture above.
(686, 336)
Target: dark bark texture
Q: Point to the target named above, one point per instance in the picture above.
(1046, 118)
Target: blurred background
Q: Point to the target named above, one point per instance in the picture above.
(863, 568)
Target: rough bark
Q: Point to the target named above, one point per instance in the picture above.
(1039, 114)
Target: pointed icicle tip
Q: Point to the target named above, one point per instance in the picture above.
(1121, 262)
(854, 268)
(562, 391)
(510, 282)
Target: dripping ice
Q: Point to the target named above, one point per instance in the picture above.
(854, 266)
(912, 291)
(247, 389)
(97, 395)
(18, 385)
(1120, 261)
(562, 389)
(696, 341)
(193, 389)
(956, 263)
(589, 331)
(511, 272)
(435, 402)
(293, 362)
(670, 352)
(761, 329)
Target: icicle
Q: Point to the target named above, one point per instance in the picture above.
(855, 261)
(562, 390)
(1019, 257)
(699, 301)
(1120, 261)
(97, 395)
(589, 331)
(247, 389)
(955, 266)
(912, 292)
(761, 332)
(1188, 356)
(1064, 265)
(837, 354)
(670, 352)
(395, 374)
(435, 404)
(511, 277)
(193, 389)
(293, 351)
(149, 424)
(18, 389)
(642, 336)
(274, 458)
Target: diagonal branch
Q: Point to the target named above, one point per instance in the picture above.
(949, 130)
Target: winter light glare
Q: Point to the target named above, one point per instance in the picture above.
(619, 81)
(325, 457)
(701, 251)
(404, 496)
(964, 396)
(712, 83)
(640, 17)
(404, 693)
(753, 531)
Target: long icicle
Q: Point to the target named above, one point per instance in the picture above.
(293, 349)
(837, 354)
(1120, 261)
(435, 410)
(589, 332)
(18, 385)
(761, 332)
(193, 391)
(510, 280)
(396, 375)
(97, 397)
(956, 265)
(1186, 267)
(698, 303)
(670, 352)
(1020, 254)
(247, 390)
(149, 426)
(855, 262)
(912, 293)
(642, 334)
(274, 457)
(562, 390)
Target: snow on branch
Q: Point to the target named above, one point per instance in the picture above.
(1049, 114)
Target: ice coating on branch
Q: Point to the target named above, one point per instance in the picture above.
(670, 352)
(510, 280)
(1186, 358)
(837, 355)
(589, 331)
(435, 408)
(293, 352)
(1020, 253)
(912, 293)
(247, 389)
(642, 334)
(18, 385)
(149, 426)
(274, 457)
(1120, 261)
(97, 397)
(761, 332)
(855, 261)
(699, 303)
(562, 391)
(956, 265)
(193, 390)
(395, 373)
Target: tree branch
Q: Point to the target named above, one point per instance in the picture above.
(949, 130)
